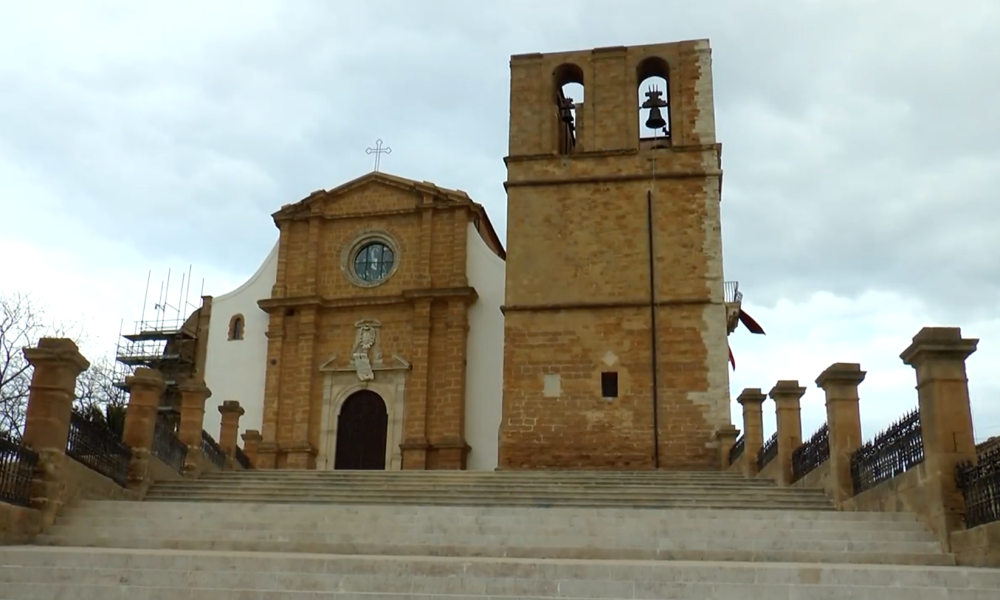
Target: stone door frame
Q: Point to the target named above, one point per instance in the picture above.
(339, 383)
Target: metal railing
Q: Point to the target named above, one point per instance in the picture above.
(737, 450)
(980, 485)
(166, 446)
(811, 454)
(731, 292)
(97, 447)
(768, 451)
(212, 451)
(893, 452)
(17, 469)
(242, 458)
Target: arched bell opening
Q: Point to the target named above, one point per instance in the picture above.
(569, 94)
(652, 78)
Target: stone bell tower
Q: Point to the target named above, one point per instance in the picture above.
(615, 353)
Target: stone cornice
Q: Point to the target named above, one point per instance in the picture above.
(270, 305)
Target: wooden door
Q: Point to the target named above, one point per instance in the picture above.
(361, 433)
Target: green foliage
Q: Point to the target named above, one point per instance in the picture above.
(108, 416)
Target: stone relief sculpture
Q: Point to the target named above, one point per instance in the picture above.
(366, 349)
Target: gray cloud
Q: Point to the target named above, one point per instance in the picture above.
(859, 147)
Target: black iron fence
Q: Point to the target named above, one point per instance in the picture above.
(242, 458)
(166, 446)
(893, 452)
(212, 451)
(768, 451)
(737, 450)
(811, 454)
(980, 485)
(97, 447)
(17, 469)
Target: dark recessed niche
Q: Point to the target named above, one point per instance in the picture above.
(609, 385)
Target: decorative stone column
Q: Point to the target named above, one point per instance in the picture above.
(938, 355)
(57, 363)
(145, 388)
(194, 392)
(726, 436)
(414, 448)
(843, 417)
(752, 400)
(251, 441)
(787, 397)
(229, 428)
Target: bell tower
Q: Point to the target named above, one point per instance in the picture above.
(615, 353)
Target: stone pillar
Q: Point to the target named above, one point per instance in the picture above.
(251, 441)
(229, 428)
(145, 388)
(752, 400)
(298, 450)
(194, 392)
(787, 396)
(938, 355)
(57, 363)
(448, 423)
(726, 436)
(414, 447)
(843, 417)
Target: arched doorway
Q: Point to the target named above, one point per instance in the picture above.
(361, 433)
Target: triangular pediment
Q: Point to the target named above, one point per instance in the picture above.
(396, 193)
(395, 363)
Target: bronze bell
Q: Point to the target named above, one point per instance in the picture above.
(654, 102)
(566, 110)
(655, 120)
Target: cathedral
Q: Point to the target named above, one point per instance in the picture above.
(389, 328)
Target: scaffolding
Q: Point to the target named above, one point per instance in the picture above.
(164, 340)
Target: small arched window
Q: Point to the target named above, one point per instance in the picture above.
(652, 79)
(569, 91)
(236, 326)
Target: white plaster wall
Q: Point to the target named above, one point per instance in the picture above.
(234, 370)
(484, 369)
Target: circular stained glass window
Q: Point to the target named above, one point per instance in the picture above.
(373, 262)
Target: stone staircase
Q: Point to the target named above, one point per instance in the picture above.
(493, 489)
(269, 535)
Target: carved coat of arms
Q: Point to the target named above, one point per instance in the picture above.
(366, 349)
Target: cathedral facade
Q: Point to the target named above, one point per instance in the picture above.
(390, 329)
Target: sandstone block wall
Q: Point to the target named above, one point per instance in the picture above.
(578, 293)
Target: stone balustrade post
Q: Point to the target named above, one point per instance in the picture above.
(726, 436)
(229, 428)
(251, 440)
(56, 364)
(787, 395)
(194, 392)
(938, 356)
(145, 388)
(752, 400)
(843, 417)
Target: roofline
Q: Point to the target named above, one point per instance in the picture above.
(481, 211)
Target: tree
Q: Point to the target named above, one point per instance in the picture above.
(99, 399)
(23, 321)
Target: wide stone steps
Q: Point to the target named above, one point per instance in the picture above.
(33, 573)
(278, 535)
(580, 533)
(567, 489)
(477, 477)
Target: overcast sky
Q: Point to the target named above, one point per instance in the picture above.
(860, 138)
